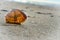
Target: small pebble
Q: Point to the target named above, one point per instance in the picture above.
(31, 16)
(52, 16)
(38, 12)
(28, 16)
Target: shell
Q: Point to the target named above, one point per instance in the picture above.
(16, 16)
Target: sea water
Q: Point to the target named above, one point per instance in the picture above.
(40, 2)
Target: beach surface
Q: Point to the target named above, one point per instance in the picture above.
(43, 22)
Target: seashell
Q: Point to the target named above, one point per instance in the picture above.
(16, 16)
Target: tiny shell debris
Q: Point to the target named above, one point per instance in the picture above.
(16, 16)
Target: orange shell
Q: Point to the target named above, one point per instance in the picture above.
(16, 16)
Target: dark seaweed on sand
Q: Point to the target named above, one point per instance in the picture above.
(4, 10)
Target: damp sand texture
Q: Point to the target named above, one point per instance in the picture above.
(43, 22)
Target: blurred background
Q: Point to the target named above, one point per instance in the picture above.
(39, 2)
(35, 1)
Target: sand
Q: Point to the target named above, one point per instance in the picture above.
(43, 22)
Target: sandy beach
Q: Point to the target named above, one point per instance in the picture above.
(43, 22)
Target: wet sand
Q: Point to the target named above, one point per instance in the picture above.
(43, 23)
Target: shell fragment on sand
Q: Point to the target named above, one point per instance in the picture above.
(16, 16)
